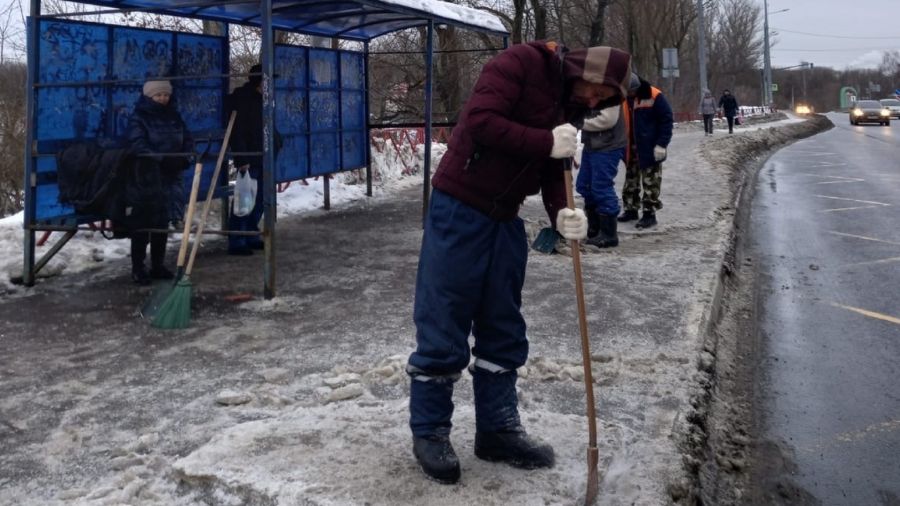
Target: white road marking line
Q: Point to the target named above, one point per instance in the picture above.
(835, 179)
(863, 237)
(852, 200)
(873, 262)
(846, 209)
(870, 314)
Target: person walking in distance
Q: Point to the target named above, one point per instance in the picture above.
(729, 106)
(708, 110)
(510, 142)
(649, 136)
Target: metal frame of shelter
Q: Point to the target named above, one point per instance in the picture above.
(353, 20)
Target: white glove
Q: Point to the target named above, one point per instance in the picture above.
(659, 153)
(604, 120)
(564, 141)
(572, 224)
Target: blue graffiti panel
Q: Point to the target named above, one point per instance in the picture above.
(72, 52)
(199, 55)
(324, 110)
(123, 100)
(325, 153)
(352, 71)
(323, 69)
(139, 54)
(353, 111)
(353, 146)
(290, 111)
(201, 108)
(47, 205)
(291, 161)
(290, 67)
(70, 113)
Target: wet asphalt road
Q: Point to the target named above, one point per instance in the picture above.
(825, 235)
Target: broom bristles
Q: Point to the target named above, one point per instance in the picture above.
(175, 311)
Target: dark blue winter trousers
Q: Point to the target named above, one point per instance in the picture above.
(470, 277)
(596, 180)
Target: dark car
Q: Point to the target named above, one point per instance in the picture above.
(893, 104)
(870, 111)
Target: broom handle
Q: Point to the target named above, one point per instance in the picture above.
(209, 194)
(582, 320)
(189, 217)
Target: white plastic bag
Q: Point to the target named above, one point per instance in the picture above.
(244, 194)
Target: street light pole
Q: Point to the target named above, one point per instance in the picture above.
(701, 50)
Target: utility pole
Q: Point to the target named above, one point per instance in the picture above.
(701, 49)
(767, 65)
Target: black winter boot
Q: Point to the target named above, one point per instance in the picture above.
(436, 456)
(648, 220)
(513, 447)
(629, 215)
(140, 276)
(607, 236)
(593, 221)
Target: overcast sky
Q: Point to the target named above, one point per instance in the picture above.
(836, 33)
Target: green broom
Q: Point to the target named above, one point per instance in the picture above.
(175, 311)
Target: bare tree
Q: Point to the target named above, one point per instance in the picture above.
(12, 136)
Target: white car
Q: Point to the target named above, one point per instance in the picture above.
(893, 104)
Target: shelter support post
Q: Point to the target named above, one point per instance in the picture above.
(368, 130)
(326, 192)
(429, 78)
(268, 67)
(28, 267)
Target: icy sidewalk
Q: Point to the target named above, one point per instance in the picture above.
(302, 399)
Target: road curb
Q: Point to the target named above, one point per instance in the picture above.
(702, 461)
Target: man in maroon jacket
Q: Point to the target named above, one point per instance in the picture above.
(510, 142)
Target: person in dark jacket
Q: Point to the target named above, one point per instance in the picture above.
(729, 106)
(156, 128)
(604, 135)
(649, 136)
(509, 142)
(247, 136)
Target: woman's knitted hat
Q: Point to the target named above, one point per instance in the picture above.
(152, 88)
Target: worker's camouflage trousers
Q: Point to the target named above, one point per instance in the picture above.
(650, 179)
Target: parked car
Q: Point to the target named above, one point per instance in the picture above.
(893, 104)
(870, 111)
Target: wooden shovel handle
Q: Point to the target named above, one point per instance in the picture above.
(209, 193)
(189, 216)
(582, 320)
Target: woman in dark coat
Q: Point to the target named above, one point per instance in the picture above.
(156, 127)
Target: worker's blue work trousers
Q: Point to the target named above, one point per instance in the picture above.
(596, 180)
(470, 277)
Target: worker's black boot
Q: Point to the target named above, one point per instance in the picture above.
(514, 447)
(593, 221)
(648, 220)
(608, 236)
(436, 456)
(629, 215)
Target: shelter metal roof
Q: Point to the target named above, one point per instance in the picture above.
(360, 20)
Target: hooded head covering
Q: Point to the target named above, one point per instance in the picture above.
(151, 88)
(255, 80)
(599, 65)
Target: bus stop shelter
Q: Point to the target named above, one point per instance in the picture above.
(84, 77)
